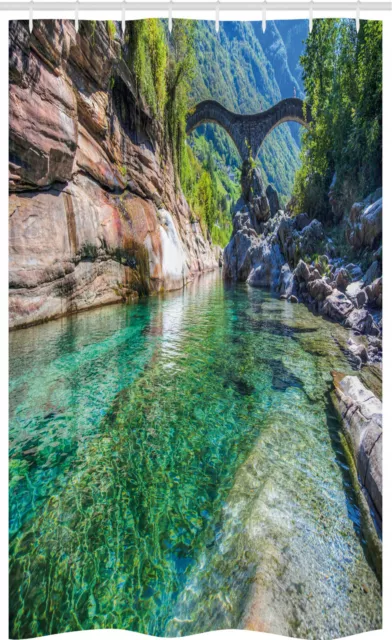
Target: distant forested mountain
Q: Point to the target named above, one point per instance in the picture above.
(247, 71)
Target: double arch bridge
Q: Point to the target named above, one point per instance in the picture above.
(248, 132)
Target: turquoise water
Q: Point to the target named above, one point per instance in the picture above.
(176, 467)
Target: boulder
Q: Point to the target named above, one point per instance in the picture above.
(361, 298)
(365, 223)
(337, 306)
(301, 221)
(372, 273)
(302, 271)
(361, 414)
(358, 350)
(312, 238)
(354, 270)
(374, 293)
(319, 289)
(343, 279)
(267, 261)
(361, 321)
(353, 289)
(260, 209)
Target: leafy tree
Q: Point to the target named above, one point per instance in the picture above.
(342, 73)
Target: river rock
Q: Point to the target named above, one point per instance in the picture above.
(337, 306)
(302, 271)
(319, 289)
(361, 414)
(268, 261)
(342, 278)
(361, 321)
(374, 293)
(372, 273)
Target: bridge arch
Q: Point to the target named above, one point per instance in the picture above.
(248, 132)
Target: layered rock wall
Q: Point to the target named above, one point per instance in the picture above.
(95, 215)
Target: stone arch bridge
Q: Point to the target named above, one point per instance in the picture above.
(248, 132)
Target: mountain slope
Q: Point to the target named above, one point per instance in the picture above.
(246, 71)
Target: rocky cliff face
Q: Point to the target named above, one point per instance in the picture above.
(94, 214)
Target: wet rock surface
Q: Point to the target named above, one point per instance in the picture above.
(361, 413)
(94, 216)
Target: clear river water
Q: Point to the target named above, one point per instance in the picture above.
(176, 466)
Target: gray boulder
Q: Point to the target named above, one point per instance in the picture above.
(361, 298)
(372, 273)
(319, 289)
(374, 293)
(337, 306)
(365, 223)
(361, 414)
(312, 238)
(343, 279)
(302, 271)
(361, 321)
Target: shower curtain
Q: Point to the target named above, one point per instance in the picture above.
(205, 454)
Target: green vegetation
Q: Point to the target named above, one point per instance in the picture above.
(343, 83)
(163, 67)
(111, 27)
